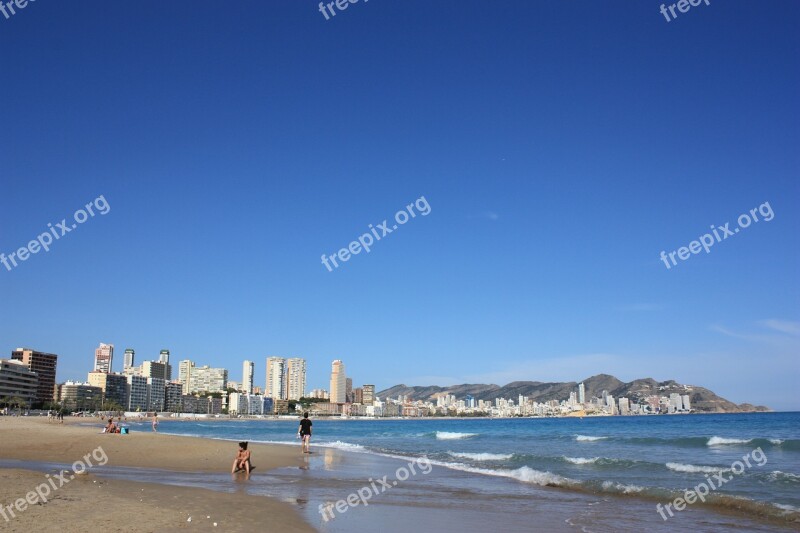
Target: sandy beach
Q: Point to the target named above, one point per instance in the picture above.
(90, 502)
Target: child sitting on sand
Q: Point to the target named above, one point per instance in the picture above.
(242, 461)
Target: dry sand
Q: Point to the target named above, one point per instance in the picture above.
(92, 503)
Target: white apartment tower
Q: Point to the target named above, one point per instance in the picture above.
(338, 382)
(247, 376)
(295, 378)
(276, 378)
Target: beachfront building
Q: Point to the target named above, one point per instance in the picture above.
(207, 379)
(185, 374)
(137, 393)
(156, 369)
(44, 365)
(338, 382)
(104, 358)
(249, 404)
(348, 390)
(128, 359)
(172, 397)
(17, 381)
(321, 394)
(114, 387)
(295, 378)
(163, 358)
(75, 396)
(581, 393)
(368, 394)
(276, 378)
(248, 368)
(156, 391)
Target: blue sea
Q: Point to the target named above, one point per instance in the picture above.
(653, 459)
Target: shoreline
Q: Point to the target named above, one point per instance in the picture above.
(93, 500)
(191, 473)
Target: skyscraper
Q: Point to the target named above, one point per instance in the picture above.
(338, 382)
(348, 390)
(247, 376)
(185, 374)
(103, 358)
(128, 359)
(276, 378)
(369, 394)
(44, 364)
(163, 357)
(295, 378)
(581, 394)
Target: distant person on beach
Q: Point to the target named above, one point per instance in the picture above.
(110, 428)
(305, 433)
(242, 461)
(155, 422)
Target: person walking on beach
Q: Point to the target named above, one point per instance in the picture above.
(305, 433)
(155, 422)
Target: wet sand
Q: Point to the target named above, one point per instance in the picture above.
(91, 502)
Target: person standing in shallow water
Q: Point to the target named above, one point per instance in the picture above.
(155, 422)
(305, 433)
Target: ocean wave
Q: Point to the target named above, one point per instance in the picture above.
(524, 474)
(448, 435)
(776, 476)
(581, 460)
(588, 438)
(721, 441)
(694, 469)
(776, 442)
(483, 456)
(613, 486)
(339, 445)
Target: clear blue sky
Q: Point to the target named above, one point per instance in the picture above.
(561, 146)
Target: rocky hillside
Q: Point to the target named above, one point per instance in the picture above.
(702, 399)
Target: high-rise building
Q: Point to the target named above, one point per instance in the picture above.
(17, 381)
(128, 359)
(687, 404)
(104, 358)
(369, 394)
(156, 393)
(173, 397)
(358, 395)
(338, 382)
(137, 393)
(155, 369)
(207, 379)
(78, 396)
(348, 390)
(114, 386)
(247, 376)
(276, 378)
(163, 357)
(44, 364)
(185, 374)
(295, 378)
(581, 393)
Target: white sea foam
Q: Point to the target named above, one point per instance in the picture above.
(613, 486)
(447, 435)
(777, 475)
(339, 445)
(776, 442)
(586, 438)
(581, 460)
(719, 441)
(483, 456)
(524, 474)
(694, 469)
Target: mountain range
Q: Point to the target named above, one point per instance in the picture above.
(702, 400)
